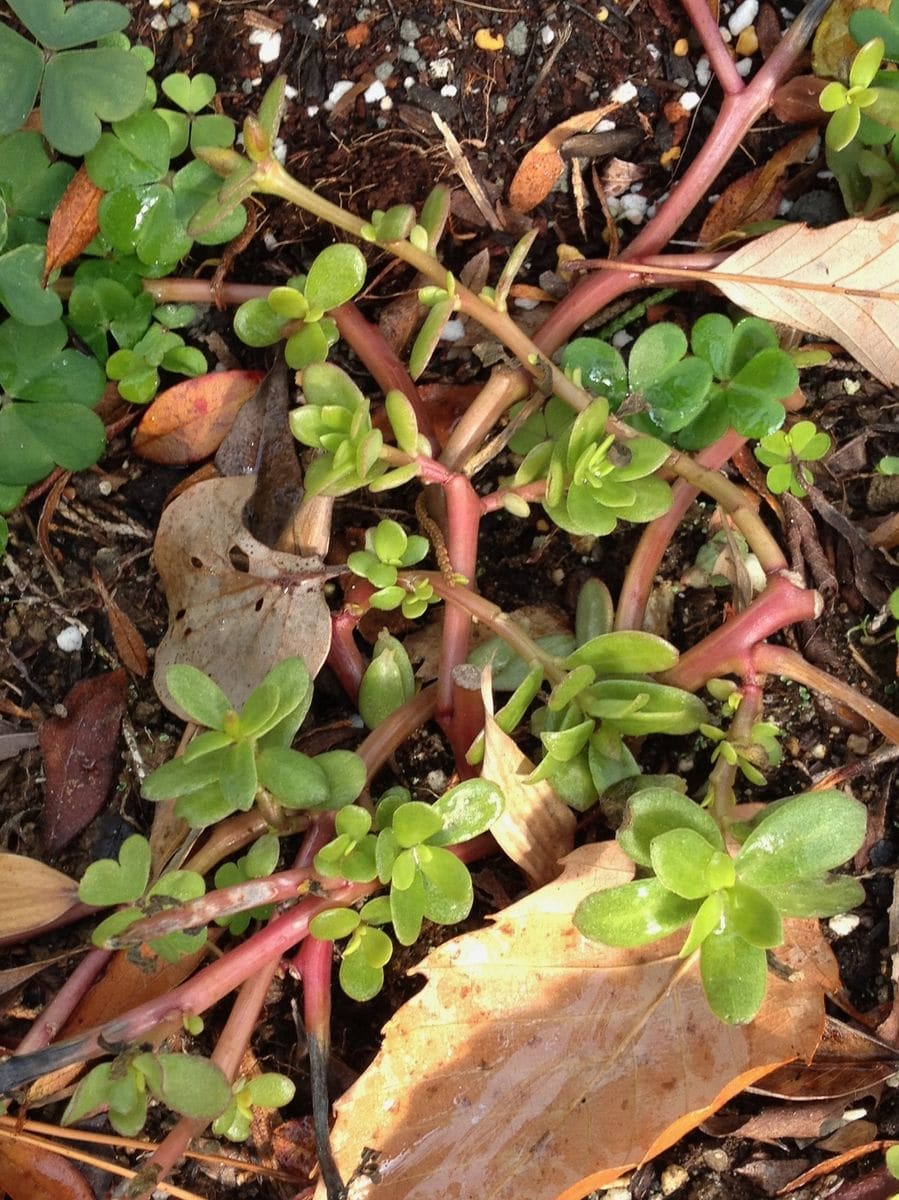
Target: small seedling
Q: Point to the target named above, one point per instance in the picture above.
(296, 312)
(786, 452)
(263, 1091)
(246, 757)
(191, 125)
(733, 904)
(858, 107)
(388, 550)
(185, 1083)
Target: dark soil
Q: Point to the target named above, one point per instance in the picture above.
(366, 155)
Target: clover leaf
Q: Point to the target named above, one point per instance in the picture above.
(79, 87)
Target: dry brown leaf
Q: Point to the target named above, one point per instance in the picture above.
(190, 420)
(81, 754)
(755, 196)
(834, 47)
(32, 894)
(129, 644)
(74, 222)
(535, 828)
(31, 1171)
(826, 281)
(14, 977)
(536, 1063)
(543, 164)
(233, 624)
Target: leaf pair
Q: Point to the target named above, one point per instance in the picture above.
(734, 905)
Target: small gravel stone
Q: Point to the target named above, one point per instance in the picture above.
(409, 31)
(673, 1177)
(374, 92)
(70, 639)
(517, 40)
(843, 924)
(743, 16)
(624, 93)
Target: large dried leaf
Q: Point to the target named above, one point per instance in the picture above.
(29, 1171)
(827, 282)
(31, 894)
(80, 756)
(235, 624)
(189, 421)
(536, 1063)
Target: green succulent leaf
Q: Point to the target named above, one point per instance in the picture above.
(199, 696)
(802, 838)
(186, 1083)
(294, 779)
(335, 276)
(90, 1095)
(654, 811)
(334, 924)
(734, 975)
(816, 897)
(634, 914)
(625, 653)
(688, 865)
(753, 916)
(598, 366)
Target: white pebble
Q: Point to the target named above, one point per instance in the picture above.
(453, 331)
(621, 338)
(784, 207)
(156, 3)
(320, 22)
(725, 34)
(269, 44)
(449, 90)
(526, 304)
(386, 104)
(440, 68)
(290, 93)
(311, 110)
(743, 16)
(744, 67)
(624, 93)
(340, 88)
(70, 639)
(547, 35)
(703, 72)
(279, 149)
(270, 241)
(843, 924)
(689, 100)
(605, 126)
(374, 92)
(159, 23)
(653, 51)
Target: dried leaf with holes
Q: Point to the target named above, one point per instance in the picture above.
(236, 608)
(535, 1063)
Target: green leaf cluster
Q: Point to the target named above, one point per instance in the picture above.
(734, 905)
(223, 770)
(296, 312)
(79, 86)
(389, 550)
(191, 126)
(269, 1090)
(258, 863)
(186, 1083)
(785, 453)
(124, 881)
(407, 854)
(862, 110)
(335, 419)
(607, 694)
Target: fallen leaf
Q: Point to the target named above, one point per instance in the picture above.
(13, 741)
(755, 196)
(74, 222)
(828, 282)
(80, 755)
(543, 164)
(14, 977)
(29, 1171)
(31, 894)
(535, 828)
(834, 48)
(848, 1062)
(536, 1063)
(129, 644)
(189, 421)
(233, 622)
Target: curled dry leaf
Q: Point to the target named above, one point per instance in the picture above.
(74, 223)
(80, 756)
(31, 894)
(236, 608)
(189, 421)
(755, 196)
(535, 828)
(536, 1063)
(30, 1170)
(543, 164)
(129, 644)
(839, 282)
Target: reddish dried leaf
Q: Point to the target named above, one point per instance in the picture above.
(129, 644)
(29, 1171)
(31, 894)
(80, 753)
(755, 196)
(189, 421)
(536, 1063)
(74, 222)
(235, 622)
(543, 164)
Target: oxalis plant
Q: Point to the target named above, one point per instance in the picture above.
(598, 439)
